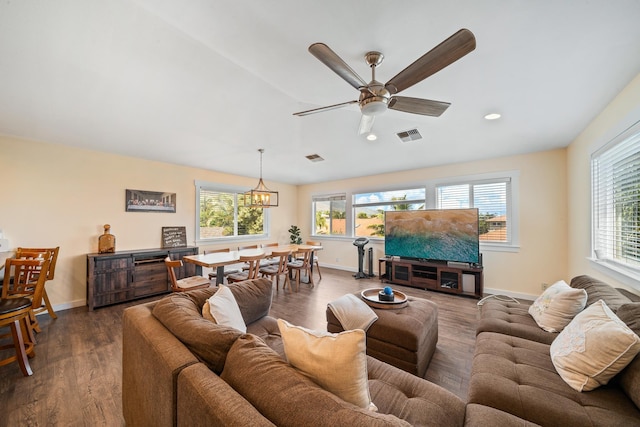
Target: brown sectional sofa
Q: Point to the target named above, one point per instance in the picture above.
(181, 369)
(512, 372)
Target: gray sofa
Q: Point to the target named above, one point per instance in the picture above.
(514, 382)
(181, 369)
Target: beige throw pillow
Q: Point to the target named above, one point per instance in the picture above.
(336, 362)
(223, 309)
(593, 348)
(557, 306)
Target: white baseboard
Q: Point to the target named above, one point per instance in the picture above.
(66, 306)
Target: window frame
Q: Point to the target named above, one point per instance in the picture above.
(237, 192)
(430, 203)
(329, 198)
(406, 189)
(512, 204)
(626, 273)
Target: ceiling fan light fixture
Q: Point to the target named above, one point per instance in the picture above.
(260, 196)
(374, 105)
(372, 137)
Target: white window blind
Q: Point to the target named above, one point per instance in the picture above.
(616, 201)
(491, 197)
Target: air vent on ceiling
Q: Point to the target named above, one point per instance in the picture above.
(409, 135)
(314, 158)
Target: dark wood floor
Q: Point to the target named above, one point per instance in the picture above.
(78, 363)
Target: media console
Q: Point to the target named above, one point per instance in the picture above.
(458, 279)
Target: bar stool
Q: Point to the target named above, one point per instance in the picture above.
(27, 253)
(20, 297)
(14, 313)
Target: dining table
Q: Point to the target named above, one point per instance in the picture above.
(218, 260)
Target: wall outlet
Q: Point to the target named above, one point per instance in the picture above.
(338, 260)
(544, 286)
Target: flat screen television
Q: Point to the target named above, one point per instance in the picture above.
(435, 235)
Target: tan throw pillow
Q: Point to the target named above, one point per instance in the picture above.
(224, 310)
(594, 347)
(336, 362)
(557, 306)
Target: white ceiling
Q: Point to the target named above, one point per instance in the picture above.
(206, 83)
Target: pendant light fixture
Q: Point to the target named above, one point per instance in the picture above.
(261, 196)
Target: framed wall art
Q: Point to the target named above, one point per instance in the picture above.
(150, 201)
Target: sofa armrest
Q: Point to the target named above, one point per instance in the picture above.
(152, 358)
(204, 399)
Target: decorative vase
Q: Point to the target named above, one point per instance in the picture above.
(107, 241)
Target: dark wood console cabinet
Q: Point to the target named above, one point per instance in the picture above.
(127, 275)
(437, 276)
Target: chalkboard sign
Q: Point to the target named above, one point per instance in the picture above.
(174, 237)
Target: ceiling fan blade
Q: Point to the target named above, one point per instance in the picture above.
(333, 61)
(322, 109)
(446, 53)
(425, 107)
(366, 124)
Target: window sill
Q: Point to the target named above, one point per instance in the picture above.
(623, 275)
(498, 247)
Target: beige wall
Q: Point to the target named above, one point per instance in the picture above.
(621, 113)
(58, 195)
(55, 195)
(543, 219)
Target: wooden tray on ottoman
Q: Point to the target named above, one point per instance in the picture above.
(370, 296)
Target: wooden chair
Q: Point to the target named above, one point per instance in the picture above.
(275, 271)
(252, 269)
(228, 269)
(315, 257)
(270, 260)
(25, 286)
(302, 264)
(186, 284)
(240, 248)
(25, 253)
(20, 297)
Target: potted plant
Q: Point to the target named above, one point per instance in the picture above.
(294, 235)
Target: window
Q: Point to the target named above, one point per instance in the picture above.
(362, 214)
(369, 208)
(221, 216)
(615, 172)
(492, 198)
(330, 215)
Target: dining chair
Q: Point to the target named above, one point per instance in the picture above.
(302, 264)
(271, 259)
(252, 269)
(315, 257)
(24, 253)
(228, 269)
(275, 271)
(241, 248)
(21, 294)
(187, 283)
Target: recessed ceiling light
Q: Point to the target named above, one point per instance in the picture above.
(372, 137)
(493, 116)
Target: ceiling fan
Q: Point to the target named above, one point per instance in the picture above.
(375, 97)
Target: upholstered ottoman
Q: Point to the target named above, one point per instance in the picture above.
(405, 337)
